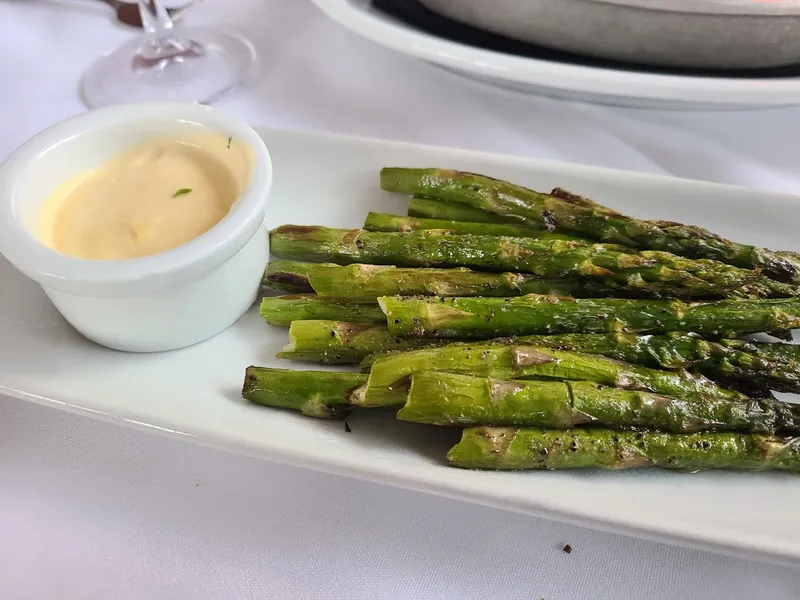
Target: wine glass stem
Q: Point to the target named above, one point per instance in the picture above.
(162, 45)
(155, 18)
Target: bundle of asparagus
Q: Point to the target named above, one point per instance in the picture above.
(558, 332)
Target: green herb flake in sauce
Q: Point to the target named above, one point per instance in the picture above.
(181, 192)
(229, 141)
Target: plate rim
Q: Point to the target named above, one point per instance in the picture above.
(715, 7)
(359, 17)
(330, 465)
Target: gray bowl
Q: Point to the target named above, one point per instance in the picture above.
(673, 33)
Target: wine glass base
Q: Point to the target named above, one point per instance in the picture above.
(219, 62)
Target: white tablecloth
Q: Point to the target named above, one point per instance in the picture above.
(91, 510)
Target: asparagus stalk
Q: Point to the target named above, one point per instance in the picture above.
(729, 362)
(764, 287)
(337, 342)
(483, 318)
(282, 310)
(571, 214)
(394, 223)
(291, 275)
(509, 448)
(773, 366)
(643, 272)
(389, 381)
(453, 399)
(320, 394)
(366, 283)
(753, 389)
(674, 350)
(430, 208)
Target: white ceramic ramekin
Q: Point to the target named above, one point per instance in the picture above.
(159, 302)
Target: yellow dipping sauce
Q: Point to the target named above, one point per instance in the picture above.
(153, 197)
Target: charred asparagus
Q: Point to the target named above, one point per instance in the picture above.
(643, 272)
(389, 378)
(513, 448)
(320, 394)
(454, 399)
(567, 213)
(484, 318)
(282, 310)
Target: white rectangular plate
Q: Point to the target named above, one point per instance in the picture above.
(194, 393)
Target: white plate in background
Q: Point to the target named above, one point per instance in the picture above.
(195, 393)
(560, 79)
(716, 7)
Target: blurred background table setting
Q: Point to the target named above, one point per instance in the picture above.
(91, 510)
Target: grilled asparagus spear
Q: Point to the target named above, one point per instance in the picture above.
(430, 208)
(338, 342)
(292, 275)
(393, 223)
(752, 368)
(571, 214)
(484, 318)
(282, 310)
(644, 272)
(366, 283)
(511, 448)
(360, 283)
(320, 394)
(389, 378)
(454, 399)
(739, 359)
(774, 366)
(771, 366)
